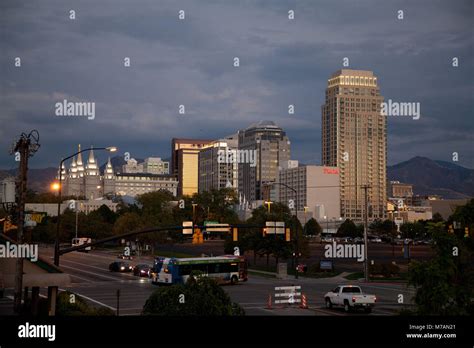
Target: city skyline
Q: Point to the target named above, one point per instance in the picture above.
(190, 63)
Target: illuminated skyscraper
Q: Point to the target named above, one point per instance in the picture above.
(354, 138)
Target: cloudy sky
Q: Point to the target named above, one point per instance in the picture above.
(190, 62)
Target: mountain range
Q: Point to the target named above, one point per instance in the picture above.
(429, 177)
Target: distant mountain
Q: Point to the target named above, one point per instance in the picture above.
(117, 163)
(428, 176)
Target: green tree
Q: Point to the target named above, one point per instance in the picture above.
(445, 284)
(312, 227)
(437, 217)
(349, 229)
(198, 297)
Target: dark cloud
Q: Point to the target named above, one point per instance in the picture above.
(190, 62)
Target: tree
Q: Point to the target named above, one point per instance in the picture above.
(200, 296)
(445, 284)
(437, 217)
(413, 230)
(349, 229)
(312, 227)
(128, 222)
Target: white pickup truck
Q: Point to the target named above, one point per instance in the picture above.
(351, 297)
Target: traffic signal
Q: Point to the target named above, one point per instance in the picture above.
(466, 232)
(198, 236)
(7, 226)
(235, 234)
(450, 229)
(287, 234)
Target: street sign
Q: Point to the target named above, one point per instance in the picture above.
(326, 265)
(188, 230)
(273, 227)
(216, 227)
(288, 294)
(36, 217)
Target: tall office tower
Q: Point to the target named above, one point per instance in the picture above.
(218, 165)
(354, 138)
(184, 163)
(263, 148)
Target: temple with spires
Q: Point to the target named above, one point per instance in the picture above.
(85, 180)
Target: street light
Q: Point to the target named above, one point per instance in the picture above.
(296, 253)
(268, 204)
(56, 245)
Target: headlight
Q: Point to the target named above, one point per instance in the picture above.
(122, 268)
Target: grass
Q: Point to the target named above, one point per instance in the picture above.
(354, 276)
(359, 275)
(261, 274)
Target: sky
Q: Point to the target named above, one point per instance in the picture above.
(190, 62)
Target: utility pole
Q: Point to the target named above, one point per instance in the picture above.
(25, 147)
(366, 226)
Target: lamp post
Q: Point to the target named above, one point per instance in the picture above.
(304, 227)
(194, 213)
(56, 244)
(268, 203)
(296, 223)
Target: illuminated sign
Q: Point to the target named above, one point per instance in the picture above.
(330, 170)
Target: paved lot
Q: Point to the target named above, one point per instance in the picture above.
(92, 280)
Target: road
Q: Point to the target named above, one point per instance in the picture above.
(92, 280)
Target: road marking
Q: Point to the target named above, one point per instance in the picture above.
(96, 274)
(92, 300)
(328, 312)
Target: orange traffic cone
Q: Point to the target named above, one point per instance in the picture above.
(269, 302)
(304, 303)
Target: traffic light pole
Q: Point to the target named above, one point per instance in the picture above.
(22, 147)
(366, 226)
(25, 147)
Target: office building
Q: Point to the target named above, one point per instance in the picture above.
(317, 188)
(354, 139)
(185, 163)
(218, 165)
(263, 148)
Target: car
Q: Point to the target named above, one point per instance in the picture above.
(327, 240)
(350, 297)
(124, 257)
(119, 266)
(358, 240)
(376, 240)
(142, 270)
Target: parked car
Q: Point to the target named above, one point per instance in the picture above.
(351, 297)
(119, 266)
(327, 240)
(142, 270)
(358, 240)
(376, 240)
(124, 257)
